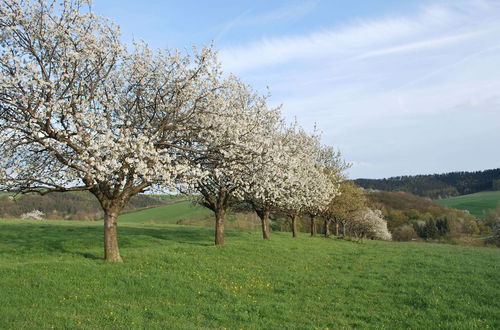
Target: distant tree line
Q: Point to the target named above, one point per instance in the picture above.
(438, 186)
(348, 216)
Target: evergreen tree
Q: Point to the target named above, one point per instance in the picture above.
(430, 229)
(442, 226)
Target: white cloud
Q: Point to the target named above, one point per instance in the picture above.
(421, 45)
(363, 38)
(435, 26)
(364, 81)
(247, 18)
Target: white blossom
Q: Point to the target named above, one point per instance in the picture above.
(370, 223)
(80, 112)
(33, 215)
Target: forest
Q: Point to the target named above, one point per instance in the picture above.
(437, 186)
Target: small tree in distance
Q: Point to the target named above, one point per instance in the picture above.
(343, 208)
(430, 230)
(496, 184)
(370, 224)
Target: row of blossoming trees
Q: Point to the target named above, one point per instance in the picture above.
(79, 111)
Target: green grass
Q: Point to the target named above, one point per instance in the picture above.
(170, 213)
(476, 203)
(52, 276)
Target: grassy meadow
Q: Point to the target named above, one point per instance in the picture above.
(52, 275)
(170, 213)
(476, 203)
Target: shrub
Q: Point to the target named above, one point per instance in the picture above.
(430, 229)
(442, 226)
(496, 184)
(33, 215)
(470, 227)
(404, 233)
(495, 239)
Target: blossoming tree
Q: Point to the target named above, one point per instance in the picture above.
(231, 150)
(79, 112)
(331, 163)
(370, 223)
(266, 186)
(343, 208)
(307, 185)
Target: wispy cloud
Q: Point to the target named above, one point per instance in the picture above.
(249, 18)
(422, 45)
(434, 26)
(368, 81)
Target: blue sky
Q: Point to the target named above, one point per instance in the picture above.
(400, 87)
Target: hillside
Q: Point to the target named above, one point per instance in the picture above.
(407, 215)
(185, 212)
(170, 213)
(71, 205)
(52, 276)
(477, 204)
(437, 186)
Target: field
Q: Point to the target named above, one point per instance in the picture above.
(476, 203)
(170, 213)
(52, 275)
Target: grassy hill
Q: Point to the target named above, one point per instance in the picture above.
(52, 276)
(185, 212)
(170, 213)
(476, 203)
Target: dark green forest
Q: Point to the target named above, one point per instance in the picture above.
(437, 186)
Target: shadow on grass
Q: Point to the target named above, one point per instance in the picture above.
(195, 235)
(85, 241)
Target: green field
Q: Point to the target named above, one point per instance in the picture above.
(476, 203)
(170, 213)
(52, 275)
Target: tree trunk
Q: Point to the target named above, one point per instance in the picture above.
(219, 227)
(111, 251)
(313, 226)
(264, 219)
(337, 229)
(326, 228)
(343, 229)
(294, 225)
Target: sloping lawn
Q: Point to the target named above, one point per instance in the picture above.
(170, 213)
(476, 203)
(52, 276)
